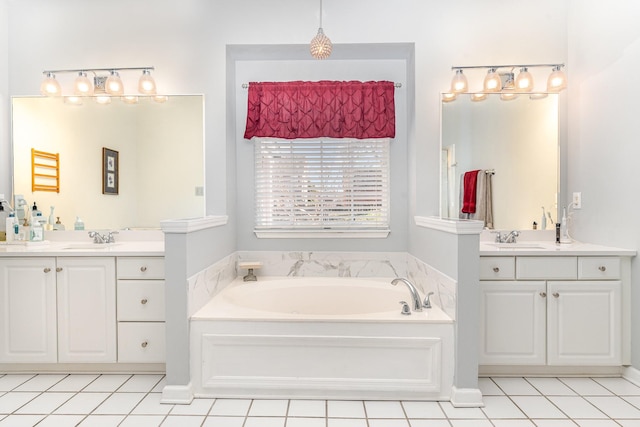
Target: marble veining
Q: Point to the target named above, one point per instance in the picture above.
(428, 279)
(205, 284)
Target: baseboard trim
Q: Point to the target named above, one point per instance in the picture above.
(466, 397)
(631, 374)
(177, 394)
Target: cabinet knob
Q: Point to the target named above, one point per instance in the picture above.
(556, 295)
(144, 344)
(602, 268)
(496, 269)
(543, 294)
(143, 301)
(59, 269)
(143, 268)
(47, 269)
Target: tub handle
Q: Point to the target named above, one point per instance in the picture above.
(427, 301)
(405, 308)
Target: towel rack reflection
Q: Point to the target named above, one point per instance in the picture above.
(490, 171)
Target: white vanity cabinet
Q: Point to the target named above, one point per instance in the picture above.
(141, 310)
(28, 310)
(551, 310)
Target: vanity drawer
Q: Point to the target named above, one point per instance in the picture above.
(590, 268)
(141, 342)
(140, 268)
(497, 268)
(141, 300)
(547, 268)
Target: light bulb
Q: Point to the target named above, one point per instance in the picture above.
(492, 81)
(50, 86)
(82, 85)
(320, 47)
(146, 84)
(557, 80)
(113, 85)
(524, 81)
(459, 82)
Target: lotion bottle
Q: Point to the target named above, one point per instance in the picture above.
(10, 233)
(564, 231)
(543, 220)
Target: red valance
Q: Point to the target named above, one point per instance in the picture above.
(331, 109)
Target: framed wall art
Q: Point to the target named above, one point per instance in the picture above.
(110, 178)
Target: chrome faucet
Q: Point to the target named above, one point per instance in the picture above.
(415, 296)
(103, 238)
(507, 237)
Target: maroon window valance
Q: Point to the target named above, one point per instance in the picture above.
(331, 109)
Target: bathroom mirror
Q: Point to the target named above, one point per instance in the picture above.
(516, 139)
(158, 168)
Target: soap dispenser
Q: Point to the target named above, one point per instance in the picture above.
(79, 224)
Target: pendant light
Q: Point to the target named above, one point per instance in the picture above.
(146, 84)
(459, 82)
(321, 46)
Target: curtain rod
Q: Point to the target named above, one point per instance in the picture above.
(396, 85)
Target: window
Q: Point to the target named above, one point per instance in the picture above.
(322, 186)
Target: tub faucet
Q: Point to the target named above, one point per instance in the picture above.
(415, 296)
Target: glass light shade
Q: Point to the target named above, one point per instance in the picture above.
(82, 85)
(524, 81)
(477, 97)
(146, 84)
(557, 80)
(492, 81)
(113, 85)
(73, 100)
(161, 99)
(103, 100)
(320, 47)
(459, 82)
(50, 86)
(508, 96)
(130, 99)
(449, 97)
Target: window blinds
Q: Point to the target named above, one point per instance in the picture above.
(316, 184)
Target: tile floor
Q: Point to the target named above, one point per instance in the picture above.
(134, 400)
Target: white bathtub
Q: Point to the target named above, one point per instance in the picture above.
(327, 338)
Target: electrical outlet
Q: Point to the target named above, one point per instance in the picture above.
(199, 191)
(577, 200)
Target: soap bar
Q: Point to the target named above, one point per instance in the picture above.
(250, 264)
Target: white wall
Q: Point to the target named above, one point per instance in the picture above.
(603, 152)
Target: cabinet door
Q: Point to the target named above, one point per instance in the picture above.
(86, 309)
(584, 321)
(512, 323)
(28, 310)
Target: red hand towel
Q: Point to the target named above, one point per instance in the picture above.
(469, 195)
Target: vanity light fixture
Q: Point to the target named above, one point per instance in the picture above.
(106, 82)
(320, 46)
(504, 80)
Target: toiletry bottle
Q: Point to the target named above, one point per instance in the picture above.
(557, 233)
(37, 231)
(16, 229)
(79, 224)
(35, 210)
(9, 227)
(51, 220)
(58, 225)
(25, 231)
(564, 231)
(3, 223)
(543, 220)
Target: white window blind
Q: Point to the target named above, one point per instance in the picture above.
(322, 184)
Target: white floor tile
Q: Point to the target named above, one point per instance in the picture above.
(576, 407)
(488, 387)
(183, 421)
(74, 382)
(429, 423)
(501, 407)
(346, 422)
(268, 408)
(21, 420)
(82, 403)
(516, 386)
(151, 405)
(423, 410)
(306, 422)
(345, 409)
(551, 386)
(512, 423)
(11, 381)
(102, 421)
(160, 386)
(634, 400)
(119, 403)
(461, 413)
(140, 383)
(107, 382)
(554, 423)
(40, 383)
(232, 407)
(537, 407)
(264, 422)
(12, 401)
(586, 386)
(45, 403)
(197, 407)
(614, 407)
(61, 421)
(223, 422)
(596, 423)
(471, 423)
(389, 422)
(307, 408)
(377, 409)
(629, 423)
(142, 421)
(619, 386)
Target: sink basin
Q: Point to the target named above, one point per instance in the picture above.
(95, 246)
(519, 245)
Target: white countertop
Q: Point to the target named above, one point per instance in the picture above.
(546, 248)
(82, 248)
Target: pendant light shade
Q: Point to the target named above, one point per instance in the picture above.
(492, 81)
(146, 84)
(82, 85)
(50, 86)
(524, 80)
(557, 80)
(320, 46)
(113, 85)
(459, 82)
